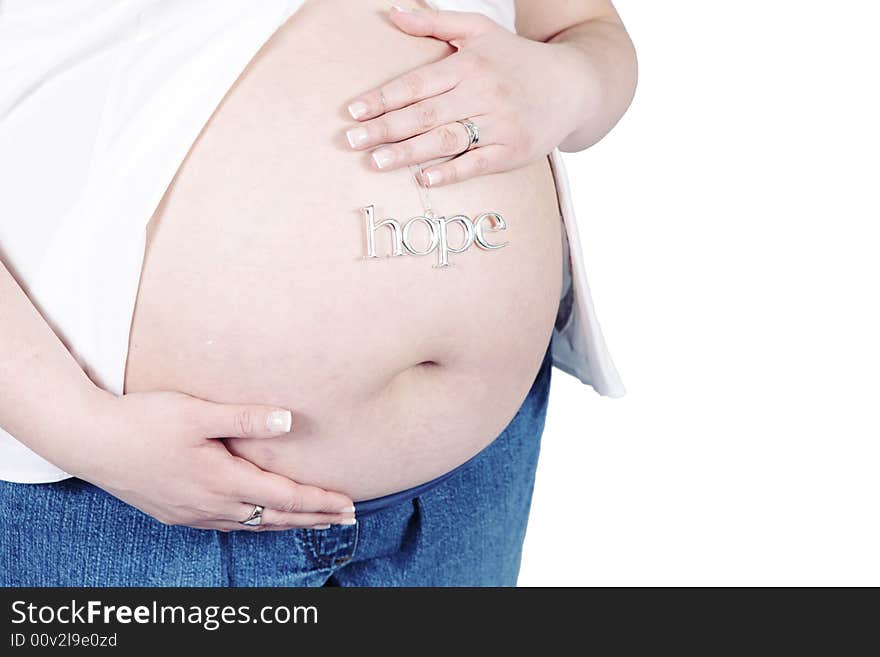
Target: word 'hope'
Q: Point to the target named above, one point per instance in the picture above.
(438, 228)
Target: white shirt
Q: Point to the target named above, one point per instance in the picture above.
(100, 102)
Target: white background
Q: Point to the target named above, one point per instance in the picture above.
(731, 231)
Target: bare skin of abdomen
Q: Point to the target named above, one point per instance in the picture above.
(255, 288)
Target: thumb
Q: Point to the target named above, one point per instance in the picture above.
(453, 26)
(237, 421)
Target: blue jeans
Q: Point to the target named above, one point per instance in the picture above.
(467, 530)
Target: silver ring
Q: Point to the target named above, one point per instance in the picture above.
(255, 518)
(473, 133)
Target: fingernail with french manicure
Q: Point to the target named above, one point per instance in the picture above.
(356, 137)
(433, 178)
(348, 509)
(357, 109)
(279, 421)
(321, 527)
(383, 157)
(348, 521)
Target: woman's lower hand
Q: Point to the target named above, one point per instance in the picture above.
(159, 452)
(513, 89)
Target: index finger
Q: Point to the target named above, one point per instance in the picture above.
(411, 87)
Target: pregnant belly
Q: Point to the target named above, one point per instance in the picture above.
(255, 288)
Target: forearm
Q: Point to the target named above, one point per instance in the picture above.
(44, 394)
(603, 68)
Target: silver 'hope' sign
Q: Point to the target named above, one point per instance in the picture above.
(438, 230)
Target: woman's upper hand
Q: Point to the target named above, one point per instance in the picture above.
(514, 90)
(158, 452)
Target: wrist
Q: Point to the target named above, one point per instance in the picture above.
(579, 83)
(91, 418)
